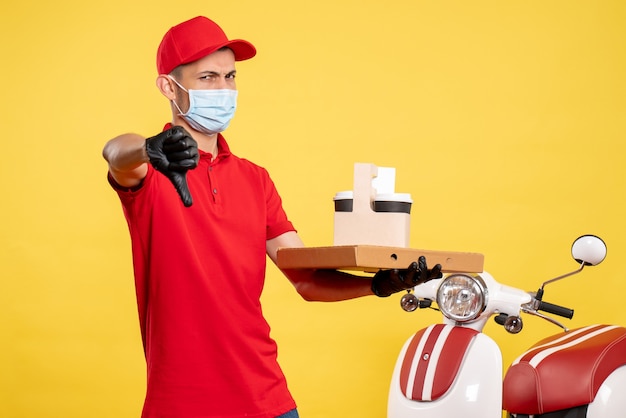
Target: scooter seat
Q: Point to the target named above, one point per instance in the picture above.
(564, 371)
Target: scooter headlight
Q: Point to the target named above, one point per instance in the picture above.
(462, 297)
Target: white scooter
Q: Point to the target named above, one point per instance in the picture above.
(454, 370)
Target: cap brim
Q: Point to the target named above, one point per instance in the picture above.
(243, 50)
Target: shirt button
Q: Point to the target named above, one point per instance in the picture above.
(214, 191)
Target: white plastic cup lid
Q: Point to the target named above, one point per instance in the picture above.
(345, 195)
(394, 197)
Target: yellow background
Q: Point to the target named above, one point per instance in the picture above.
(504, 119)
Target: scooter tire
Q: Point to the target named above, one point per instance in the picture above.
(578, 412)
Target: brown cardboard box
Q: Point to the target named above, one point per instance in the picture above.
(371, 258)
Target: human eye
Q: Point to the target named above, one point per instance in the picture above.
(208, 77)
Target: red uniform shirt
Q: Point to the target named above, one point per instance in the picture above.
(199, 273)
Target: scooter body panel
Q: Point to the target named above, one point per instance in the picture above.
(476, 390)
(610, 401)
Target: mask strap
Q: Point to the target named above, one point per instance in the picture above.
(177, 83)
(180, 112)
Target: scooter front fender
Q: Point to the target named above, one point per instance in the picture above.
(446, 371)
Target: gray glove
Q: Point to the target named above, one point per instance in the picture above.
(173, 152)
(387, 282)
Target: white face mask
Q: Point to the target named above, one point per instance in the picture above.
(210, 111)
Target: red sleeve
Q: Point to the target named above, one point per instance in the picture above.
(277, 221)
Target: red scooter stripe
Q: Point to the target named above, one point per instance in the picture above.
(451, 356)
(414, 364)
(407, 362)
(551, 342)
(422, 376)
(425, 358)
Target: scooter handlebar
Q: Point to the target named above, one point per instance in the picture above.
(556, 309)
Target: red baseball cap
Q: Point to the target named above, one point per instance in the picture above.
(194, 39)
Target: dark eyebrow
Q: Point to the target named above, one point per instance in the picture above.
(215, 73)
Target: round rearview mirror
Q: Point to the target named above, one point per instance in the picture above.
(589, 249)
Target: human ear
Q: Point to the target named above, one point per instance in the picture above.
(166, 87)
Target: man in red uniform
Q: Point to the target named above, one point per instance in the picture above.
(202, 221)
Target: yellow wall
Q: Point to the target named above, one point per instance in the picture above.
(504, 119)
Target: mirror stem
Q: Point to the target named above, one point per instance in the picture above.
(540, 292)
